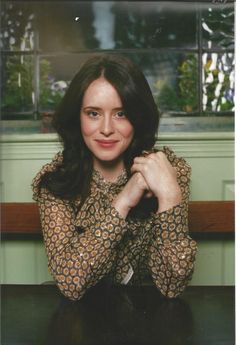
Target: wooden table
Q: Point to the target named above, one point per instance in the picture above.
(40, 315)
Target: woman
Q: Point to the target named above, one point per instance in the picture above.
(110, 205)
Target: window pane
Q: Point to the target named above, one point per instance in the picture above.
(218, 82)
(108, 25)
(17, 26)
(177, 84)
(218, 26)
(172, 77)
(56, 73)
(17, 84)
(154, 24)
(66, 26)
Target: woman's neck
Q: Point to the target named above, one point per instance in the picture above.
(109, 170)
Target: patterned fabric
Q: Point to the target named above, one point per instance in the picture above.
(85, 245)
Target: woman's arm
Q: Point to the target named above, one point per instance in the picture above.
(172, 251)
(78, 259)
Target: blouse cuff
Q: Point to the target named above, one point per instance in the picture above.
(172, 224)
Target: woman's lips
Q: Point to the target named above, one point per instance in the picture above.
(107, 143)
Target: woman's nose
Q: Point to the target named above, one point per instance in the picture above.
(107, 126)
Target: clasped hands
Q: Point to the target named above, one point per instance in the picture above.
(152, 175)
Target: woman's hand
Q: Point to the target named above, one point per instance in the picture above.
(160, 177)
(131, 194)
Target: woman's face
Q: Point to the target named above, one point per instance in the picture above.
(106, 130)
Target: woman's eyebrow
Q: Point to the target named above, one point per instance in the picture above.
(91, 107)
(97, 108)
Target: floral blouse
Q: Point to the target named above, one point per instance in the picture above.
(83, 246)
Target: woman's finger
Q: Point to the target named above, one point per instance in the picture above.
(137, 167)
(141, 160)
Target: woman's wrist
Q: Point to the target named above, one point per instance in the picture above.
(169, 201)
(121, 207)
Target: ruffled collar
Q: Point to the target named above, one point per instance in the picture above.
(108, 186)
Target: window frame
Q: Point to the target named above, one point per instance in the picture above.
(198, 51)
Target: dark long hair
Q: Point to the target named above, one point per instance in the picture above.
(72, 178)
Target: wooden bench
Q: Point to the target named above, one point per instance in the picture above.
(205, 217)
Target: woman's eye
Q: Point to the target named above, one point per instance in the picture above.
(121, 114)
(93, 113)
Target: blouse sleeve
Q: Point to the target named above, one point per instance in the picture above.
(80, 247)
(172, 251)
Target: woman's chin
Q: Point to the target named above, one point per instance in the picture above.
(108, 159)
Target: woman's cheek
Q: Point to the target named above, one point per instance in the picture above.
(88, 127)
(126, 130)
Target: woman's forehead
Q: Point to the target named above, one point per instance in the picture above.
(101, 92)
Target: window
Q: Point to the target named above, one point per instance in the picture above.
(185, 49)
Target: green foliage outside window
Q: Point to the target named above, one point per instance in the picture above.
(183, 96)
(50, 96)
(188, 79)
(18, 91)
